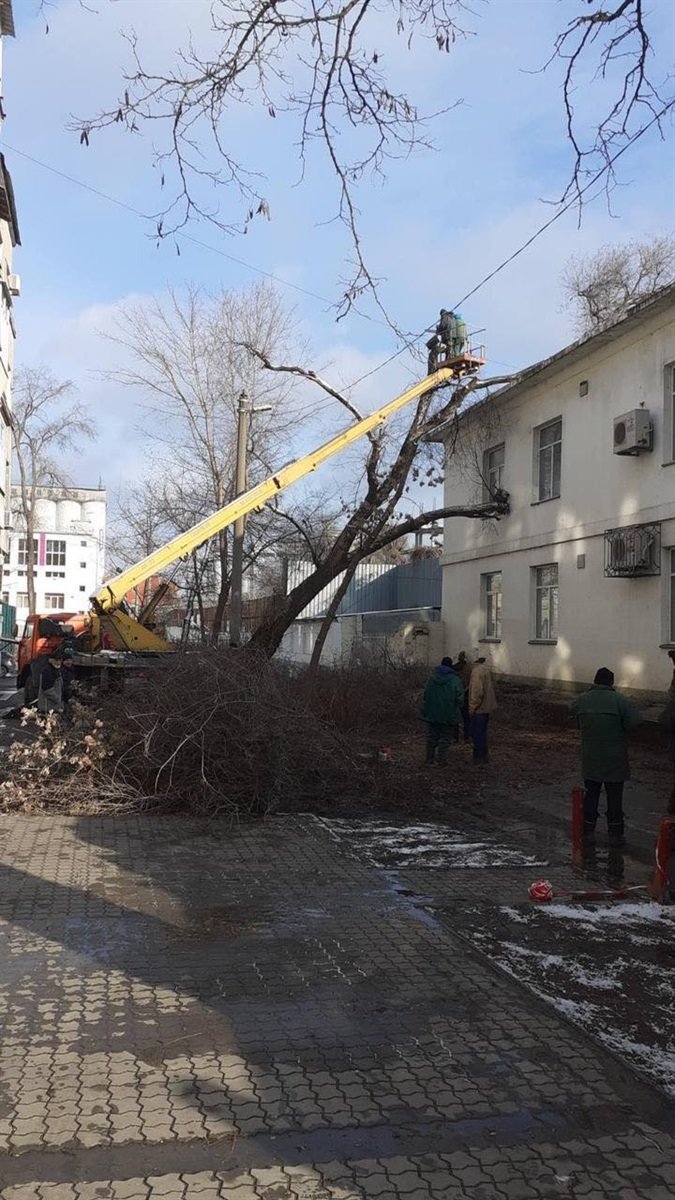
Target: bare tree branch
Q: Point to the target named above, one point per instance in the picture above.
(600, 288)
(612, 45)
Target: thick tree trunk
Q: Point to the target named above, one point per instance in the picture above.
(267, 637)
(330, 616)
(224, 592)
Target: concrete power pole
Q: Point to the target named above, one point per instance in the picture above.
(240, 483)
(243, 421)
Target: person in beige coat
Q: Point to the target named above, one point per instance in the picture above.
(482, 702)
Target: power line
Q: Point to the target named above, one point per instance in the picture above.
(525, 245)
(412, 338)
(188, 237)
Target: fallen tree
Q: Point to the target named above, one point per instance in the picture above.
(211, 733)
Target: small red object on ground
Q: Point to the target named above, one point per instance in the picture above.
(541, 890)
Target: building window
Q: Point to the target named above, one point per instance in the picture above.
(548, 458)
(5, 597)
(56, 553)
(22, 557)
(546, 602)
(82, 587)
(83, 545)
(492, 604)
(669, 422)
(82, 565)
(22, 599)
(54, 600)
(493, 470)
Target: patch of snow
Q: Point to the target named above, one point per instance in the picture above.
(630, 913)
(657, 1060)
(579, 1010)
(514, 914)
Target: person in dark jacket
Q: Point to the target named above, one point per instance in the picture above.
(463, 667)
(605, 718)
(50, 687)
(442, 710)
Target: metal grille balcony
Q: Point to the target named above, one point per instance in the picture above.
(633, 551)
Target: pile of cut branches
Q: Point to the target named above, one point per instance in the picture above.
(221, 733)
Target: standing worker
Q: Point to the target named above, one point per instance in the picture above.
(50, 686)
(463, 669)
(442, 710)
(482, 703)
(605, 719)
(459, 336)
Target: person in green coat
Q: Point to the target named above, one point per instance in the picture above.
(442, 710)
(605, 718)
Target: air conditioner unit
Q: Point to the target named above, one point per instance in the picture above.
(14, 284)
(633, 432)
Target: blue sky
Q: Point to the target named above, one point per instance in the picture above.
(438, 224)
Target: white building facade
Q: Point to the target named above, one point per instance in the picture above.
(70, 528)
(9, 289)
(581, 574)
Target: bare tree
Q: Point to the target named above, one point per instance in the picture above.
(599, 288)
(322, 67)
(375, 520)
(187, 360)
(612, 47)
(43, 427)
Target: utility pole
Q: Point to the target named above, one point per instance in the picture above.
(243, 420)
(244, 412)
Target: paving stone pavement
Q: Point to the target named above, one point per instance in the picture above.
(255, 1014)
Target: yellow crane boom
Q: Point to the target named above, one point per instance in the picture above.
(112, 593)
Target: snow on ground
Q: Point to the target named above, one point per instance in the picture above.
(423, 845)
(608, 967)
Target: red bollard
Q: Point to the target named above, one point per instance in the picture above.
(577, 823)
(664, 849)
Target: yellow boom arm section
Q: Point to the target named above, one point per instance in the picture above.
(113, 592)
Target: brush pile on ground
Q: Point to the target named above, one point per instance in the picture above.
(226, 733)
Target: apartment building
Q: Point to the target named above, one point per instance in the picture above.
(581, 574)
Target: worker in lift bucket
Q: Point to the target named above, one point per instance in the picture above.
(450, 336)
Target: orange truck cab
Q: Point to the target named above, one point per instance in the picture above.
(95, 656)
(42, 635)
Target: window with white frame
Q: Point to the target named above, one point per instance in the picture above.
(22, 599)
(548, 459)
(22, 553)
(492, 604)
(493, 470)
(56, 552)
(54, 600)
(546, 602)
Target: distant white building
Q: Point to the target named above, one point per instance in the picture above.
(581, 574)
(70, 527)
